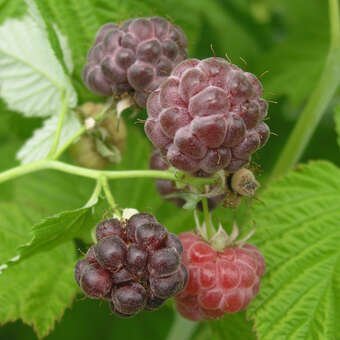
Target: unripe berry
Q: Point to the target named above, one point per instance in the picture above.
(220, 281)
(102, 145)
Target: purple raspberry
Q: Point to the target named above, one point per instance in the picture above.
(207, 116)
(134, 57)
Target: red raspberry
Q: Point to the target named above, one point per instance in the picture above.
(220, 282)
(133, 57)
(207, 116)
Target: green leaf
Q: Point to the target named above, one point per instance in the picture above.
(58, 229)
(39, 145)
(233, 326)
(39, 290)
(296, 60)
(11, 9)
(337, 122)
(32, 79)
(298, 232)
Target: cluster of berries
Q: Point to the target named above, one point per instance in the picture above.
(136, 265)
(204, 116)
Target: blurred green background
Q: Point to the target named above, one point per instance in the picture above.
(288, 38)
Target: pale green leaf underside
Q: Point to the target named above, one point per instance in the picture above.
(39, 145)
(298, 231)
(38, 290)
(31, 78)
(337, 122)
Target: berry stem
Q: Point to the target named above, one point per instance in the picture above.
(207, 218)
(62, 115)
(106, 187)
(57, 153)
(317, 103)
(96, 174)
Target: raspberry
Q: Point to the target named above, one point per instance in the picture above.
(102, 145)
(219, 281)
(207, 116)
(133, 57)
(109, 227)
(166, 187)
(135, 265)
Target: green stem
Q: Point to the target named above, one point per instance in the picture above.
(81, 131)
(207, 218)
(318, 101)
(94, 197)
(97, 174)
(182, 329)
(109, 196)
(62, 115)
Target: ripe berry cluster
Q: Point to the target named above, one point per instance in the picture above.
(136, 265)
(133, 57)
(207, 116)
(219, 281)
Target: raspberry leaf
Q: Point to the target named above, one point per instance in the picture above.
(337, 122)
(58, 229)
(32, 79)
(39, 145)
(233, 326)
(26, 288)
(298, 233)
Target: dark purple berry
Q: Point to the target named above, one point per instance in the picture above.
(121, 315)
(95, 281)
(163, 262)
(79, 269)
(154, 303)
(151, 236)
(111, 253)
(167, 287)
(109, 227)
(129, 299)
(136, 270)
(174, 242)
(136, 221)
(122, 276)
(136, 260)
